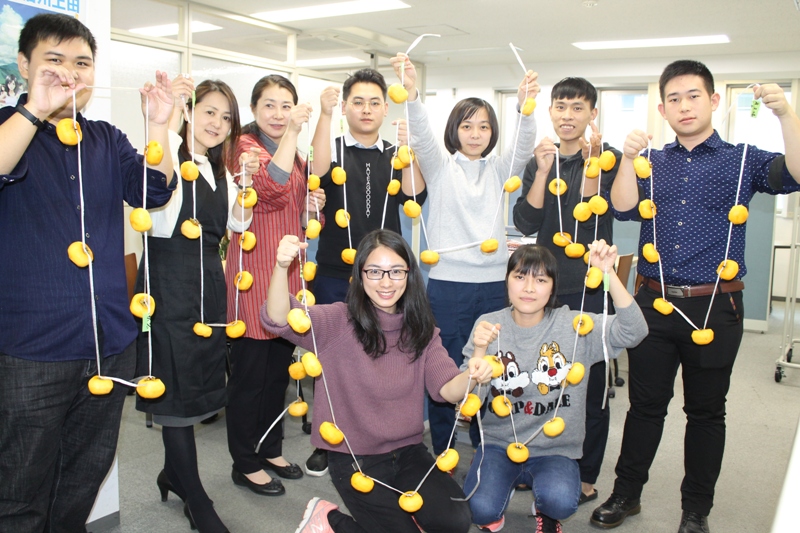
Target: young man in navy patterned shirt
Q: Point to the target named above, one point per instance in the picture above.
(695, 184)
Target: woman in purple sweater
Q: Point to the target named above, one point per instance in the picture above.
(379, 351)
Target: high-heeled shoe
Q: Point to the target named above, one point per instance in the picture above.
(188, 513)
(165, 486)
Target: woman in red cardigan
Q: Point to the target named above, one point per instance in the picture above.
(259, 360)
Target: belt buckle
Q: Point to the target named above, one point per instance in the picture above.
(677, 292)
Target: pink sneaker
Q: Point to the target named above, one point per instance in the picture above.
(315, 519)
(494, 526)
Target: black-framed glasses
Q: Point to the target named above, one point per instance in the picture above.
(374, 105)
(395, 274)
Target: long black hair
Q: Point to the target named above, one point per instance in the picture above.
(537, 260)
(418, 321)
(223, 155)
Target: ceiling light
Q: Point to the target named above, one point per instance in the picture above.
(589, 3)
(650, 43)
(329, 10)
(329, 61)
(167, 30)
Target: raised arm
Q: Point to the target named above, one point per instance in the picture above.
(50, 88)
(278, 305)
(775, 99)
(430, 155)
(322, 134)
(157, 105)
(287, 148)
(419, 181)
(519, 153)
(625, 191)
(603, 257)
(545, 154)
(182, 89)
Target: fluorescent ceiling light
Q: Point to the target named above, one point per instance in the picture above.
(650, 43)
(329, 10)
(329, 61)
(167, 30)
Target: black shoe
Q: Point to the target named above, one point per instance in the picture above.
(615, 510)
(290, 471)
(273, 488)
(692, 522)
(215, 525)
(587, 497)
(317, 464)
(211, 419)
(188, 516)
(165, 486)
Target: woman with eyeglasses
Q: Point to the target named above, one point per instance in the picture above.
(379, 351)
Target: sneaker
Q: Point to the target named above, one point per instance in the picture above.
(315, 519)
(317, 463)
(545, 524)
(494, 526)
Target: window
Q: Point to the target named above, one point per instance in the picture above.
(620, 113)
(763, 130)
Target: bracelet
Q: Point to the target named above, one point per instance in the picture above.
(30, 116)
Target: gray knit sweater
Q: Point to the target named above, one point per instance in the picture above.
(537, 360)
(463, 198)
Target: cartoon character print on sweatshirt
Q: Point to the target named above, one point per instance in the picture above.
(514, 379)
(551, 368)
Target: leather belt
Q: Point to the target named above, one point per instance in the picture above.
(691, 291)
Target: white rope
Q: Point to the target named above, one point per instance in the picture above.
(85, 249)
(146, 247)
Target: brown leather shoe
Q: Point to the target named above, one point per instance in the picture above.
(615, 510)
(692, 522)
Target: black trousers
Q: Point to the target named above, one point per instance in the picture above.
(378, 511)
(706, 372)
(256, 396)
(57, 440)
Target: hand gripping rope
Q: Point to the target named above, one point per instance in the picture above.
(142, 305)
(300, 321)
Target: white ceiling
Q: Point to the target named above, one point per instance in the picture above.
(473, 50)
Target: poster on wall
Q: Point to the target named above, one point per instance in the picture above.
(13, 14)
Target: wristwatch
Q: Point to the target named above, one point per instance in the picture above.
(30, 116)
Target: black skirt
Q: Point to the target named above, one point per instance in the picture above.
(191, 367)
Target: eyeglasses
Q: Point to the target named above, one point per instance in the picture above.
(395, 274)
(374, 105)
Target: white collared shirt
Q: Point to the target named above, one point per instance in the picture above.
(349, 140)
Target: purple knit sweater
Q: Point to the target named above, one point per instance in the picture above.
(378, 402)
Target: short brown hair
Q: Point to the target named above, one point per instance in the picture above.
(462, 111)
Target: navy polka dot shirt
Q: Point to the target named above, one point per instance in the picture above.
(693, 192)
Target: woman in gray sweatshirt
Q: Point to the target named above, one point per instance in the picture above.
(464, 180)
(543, 357)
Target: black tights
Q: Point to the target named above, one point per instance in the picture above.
(180, 465)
